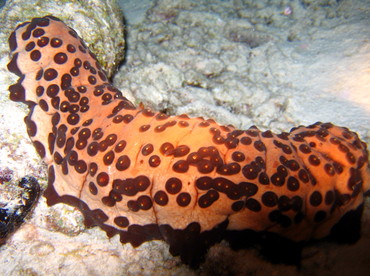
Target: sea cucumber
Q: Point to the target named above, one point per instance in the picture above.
(191, 182)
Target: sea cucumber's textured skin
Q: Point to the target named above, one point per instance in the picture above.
(145, 175)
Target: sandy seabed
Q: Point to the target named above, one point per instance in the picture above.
(275, 64)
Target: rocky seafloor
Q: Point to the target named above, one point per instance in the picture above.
(274, 64)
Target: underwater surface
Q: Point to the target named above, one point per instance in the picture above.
(274, 64)
(2, 3)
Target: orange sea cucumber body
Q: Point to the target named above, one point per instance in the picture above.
(146, 175)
